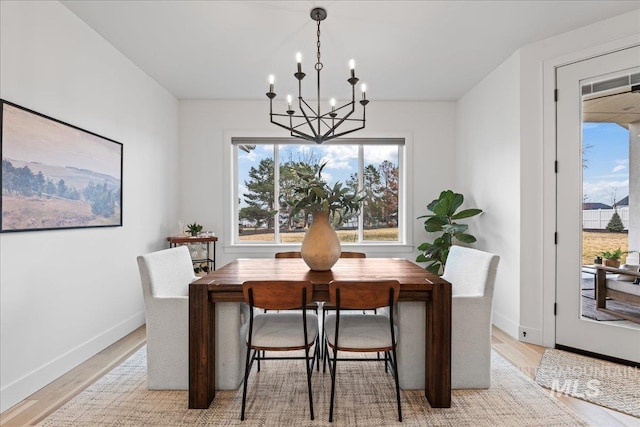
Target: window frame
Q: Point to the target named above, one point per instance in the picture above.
(405, 225)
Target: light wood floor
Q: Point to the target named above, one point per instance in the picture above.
(38, 406)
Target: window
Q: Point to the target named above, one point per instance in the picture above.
(262, 191)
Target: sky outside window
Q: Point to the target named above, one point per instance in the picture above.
(606, 155)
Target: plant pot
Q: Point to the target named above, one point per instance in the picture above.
(321, 246)
(615, 263)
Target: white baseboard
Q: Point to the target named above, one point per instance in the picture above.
(25, 386)
(505, 324)
(530, 335)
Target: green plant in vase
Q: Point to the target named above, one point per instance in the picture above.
(321, 246)
(194, 229)
(314, 194)
(613, 258)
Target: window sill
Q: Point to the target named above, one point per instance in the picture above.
(372, 249)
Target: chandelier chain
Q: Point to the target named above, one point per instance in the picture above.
(318, 64)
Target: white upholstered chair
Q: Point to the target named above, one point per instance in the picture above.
(165, 277)
(472, 274)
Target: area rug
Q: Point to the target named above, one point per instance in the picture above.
(277, 396)
(597, 381)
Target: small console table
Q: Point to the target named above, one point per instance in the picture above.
(209, 254)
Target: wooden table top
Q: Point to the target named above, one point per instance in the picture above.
(412, 277)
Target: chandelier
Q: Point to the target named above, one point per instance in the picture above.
(314, 125)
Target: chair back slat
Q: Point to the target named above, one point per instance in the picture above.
(352, 255)
(293, 254)
(363, 294)
(277, 294)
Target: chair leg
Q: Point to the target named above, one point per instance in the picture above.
(316, 353)
(309, 371)
(325, 353)
(246, 379)
(395, 376)
(333, 383)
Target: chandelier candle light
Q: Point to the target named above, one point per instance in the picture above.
(322, 126)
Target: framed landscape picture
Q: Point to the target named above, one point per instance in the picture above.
(55, 175)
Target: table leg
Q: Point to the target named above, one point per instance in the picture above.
(438, 348)
(202, 364)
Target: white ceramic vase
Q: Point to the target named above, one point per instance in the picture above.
(321, 245)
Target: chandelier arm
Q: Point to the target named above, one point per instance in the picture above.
(349, 104)
(299, 124)
(302, 135)
(292, 129)
(344, 133)
(295, 117)
(342, 120)
(309, 107)
(323, 120)
(315, 134)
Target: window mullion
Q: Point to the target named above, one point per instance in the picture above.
(276, 192)
(360, 189)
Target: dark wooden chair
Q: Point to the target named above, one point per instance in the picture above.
(362, 332)
(327, 306)
(280, 331)
(293, 254)
(296, 254)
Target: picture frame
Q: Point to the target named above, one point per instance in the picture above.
(56, 175)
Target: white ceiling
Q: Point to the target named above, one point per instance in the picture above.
(404, 50)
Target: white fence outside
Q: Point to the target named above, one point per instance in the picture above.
(597, 219)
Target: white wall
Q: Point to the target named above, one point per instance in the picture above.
(206, 127)
(487, 173)
(67, 294)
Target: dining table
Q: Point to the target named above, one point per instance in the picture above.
(225, 285)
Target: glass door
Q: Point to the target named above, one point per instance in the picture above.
(598, 200)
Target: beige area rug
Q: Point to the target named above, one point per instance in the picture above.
(277, 396)
(597, 381)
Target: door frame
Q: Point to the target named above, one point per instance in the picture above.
(549, 186)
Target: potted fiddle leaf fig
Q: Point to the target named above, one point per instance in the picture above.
(443, 220)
